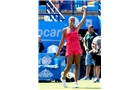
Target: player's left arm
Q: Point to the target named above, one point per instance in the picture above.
(83, 19)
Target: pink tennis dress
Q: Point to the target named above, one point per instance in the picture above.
(73, 44)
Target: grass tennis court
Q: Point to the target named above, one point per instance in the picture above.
(83, 85)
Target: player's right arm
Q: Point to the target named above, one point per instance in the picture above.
(61, 41)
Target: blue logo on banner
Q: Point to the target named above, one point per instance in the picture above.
(46, 60)
(45, 74)
(50, 30)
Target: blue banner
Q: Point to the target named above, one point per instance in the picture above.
(49, 66)
(53, 30)
(50, 30)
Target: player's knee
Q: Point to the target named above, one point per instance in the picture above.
(76, 67)
(68, 67)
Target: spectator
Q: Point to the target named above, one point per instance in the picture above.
(81, 44)
(58, 4)
(43, 2)
(90, 35)
(41, 46)
(52, 48)
(82, 61)
(96, 45)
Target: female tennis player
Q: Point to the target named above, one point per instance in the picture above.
(73, 48)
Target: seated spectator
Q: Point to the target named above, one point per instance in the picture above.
(41, 46)
(52, 48)
(57, 1)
